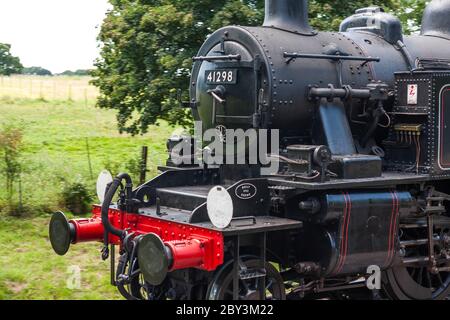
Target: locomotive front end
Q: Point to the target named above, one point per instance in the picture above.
(227, 84)
(160, 245)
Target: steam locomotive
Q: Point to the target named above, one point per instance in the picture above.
(363, 154)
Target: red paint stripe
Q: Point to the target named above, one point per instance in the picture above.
(394, 229)
(346, 234)
(391, 233)
(341, 249)
(346, 225)
(343, 235)
(391, 224)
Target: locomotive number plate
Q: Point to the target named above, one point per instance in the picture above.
(221, 76)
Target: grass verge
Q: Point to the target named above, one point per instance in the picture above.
(31, 270)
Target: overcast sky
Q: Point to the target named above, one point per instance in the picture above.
(55, 34)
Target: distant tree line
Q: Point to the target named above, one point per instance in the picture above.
(37, 71)
(79, 72)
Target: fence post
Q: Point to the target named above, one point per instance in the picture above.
(144, 156)
(41, 91)
(70, 92)
(54, 89)
(21, 94)
(20, 194)
(89, 158)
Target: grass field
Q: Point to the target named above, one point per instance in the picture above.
(55, 152)
(31, 270)
(48, 88)
(57, 137)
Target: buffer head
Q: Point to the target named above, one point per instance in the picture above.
(61, 233)
(154, 259)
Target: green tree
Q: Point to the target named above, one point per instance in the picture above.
(328, 15)
(10, 152)
(8, 63)
(37, 71)
(76, 197)
(78, 72)
(147, 46)
(410, 13)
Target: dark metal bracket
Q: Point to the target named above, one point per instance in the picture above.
(238, 265)
(113, 264)
(186, 104)
(229, 57)
(217, 95)
(345, 93)
(294, 55)
(251, 220)
(235, 64)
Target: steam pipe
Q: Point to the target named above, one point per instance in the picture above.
(109, 228)
(376, 120)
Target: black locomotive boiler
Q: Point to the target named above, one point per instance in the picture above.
(363, 179)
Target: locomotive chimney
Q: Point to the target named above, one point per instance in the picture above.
(290, 15)
(435, 21)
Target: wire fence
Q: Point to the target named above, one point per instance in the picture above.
(48, 87)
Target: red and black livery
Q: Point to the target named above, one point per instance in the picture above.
(363, 118)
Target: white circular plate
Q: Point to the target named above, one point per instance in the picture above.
(104, 178)
(220, 207)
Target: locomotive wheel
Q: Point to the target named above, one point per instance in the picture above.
(134, 290)
(139, 289)
(417, 282)
(222, 286)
